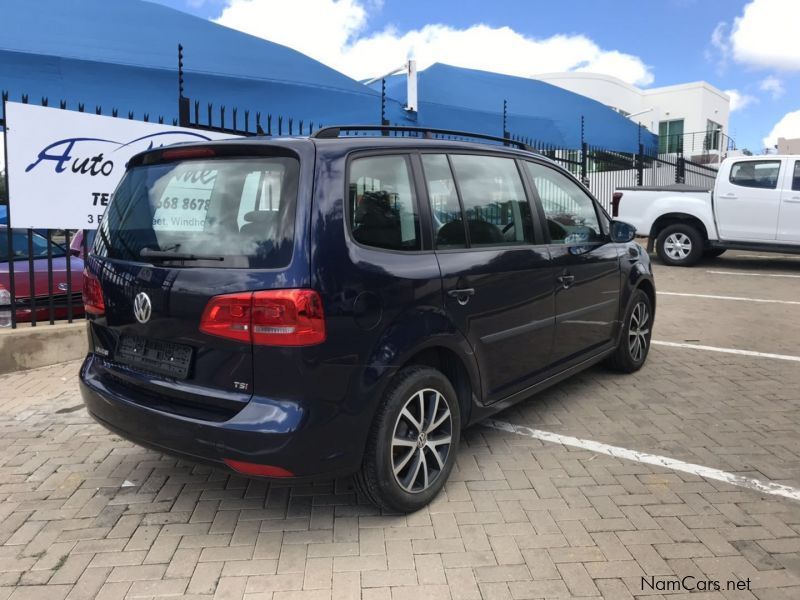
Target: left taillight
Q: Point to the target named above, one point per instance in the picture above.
(292, 317)
(93, 302)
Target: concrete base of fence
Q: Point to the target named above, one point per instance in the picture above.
(30, 347)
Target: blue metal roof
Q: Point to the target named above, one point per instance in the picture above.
(123, 54)
(467, 99)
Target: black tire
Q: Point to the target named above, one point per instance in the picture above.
(713, 252)
(376, 480)
(690, 251)
(625, 359)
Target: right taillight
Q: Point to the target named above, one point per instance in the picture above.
(92, 294)
(267, 318)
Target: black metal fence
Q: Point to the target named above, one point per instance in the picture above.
(42, 282)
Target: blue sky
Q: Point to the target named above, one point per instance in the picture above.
(646, 43)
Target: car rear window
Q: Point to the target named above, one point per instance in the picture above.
(230, 212)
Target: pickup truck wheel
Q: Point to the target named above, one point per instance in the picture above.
(679, 245)
(713, 252)
(413, 442)
(634, 340)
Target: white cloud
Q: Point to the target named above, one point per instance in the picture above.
(773, 85)
(720, 47)
(788, 127)
(334, 32)
(740, 101)
(766, 35)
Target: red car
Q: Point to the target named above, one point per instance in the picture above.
(40, 292)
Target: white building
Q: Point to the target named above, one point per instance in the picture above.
(685, 116)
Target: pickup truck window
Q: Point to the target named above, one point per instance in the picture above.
(796, 176)
(570, 213)
(761, 174)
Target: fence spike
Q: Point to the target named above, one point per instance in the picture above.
(259, 129)
(160, 119)
(210, 114)
(222, 116)
(301, 126)
(269, 124)
(98, 110)
(247, 120)
(146, 117)
(280, 125)
(5, 95)
(130, 114)
(114, 112)
(44, 100)
(233, 114)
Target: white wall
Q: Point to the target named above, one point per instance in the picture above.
(695, 103)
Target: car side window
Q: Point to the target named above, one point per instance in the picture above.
(571, 214)
(448, 222)
(761, 174)
(496, 208)
(383, 208)
(796, 176)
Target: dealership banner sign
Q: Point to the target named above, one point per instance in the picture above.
(63, 166)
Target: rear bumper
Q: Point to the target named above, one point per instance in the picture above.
(309, 440)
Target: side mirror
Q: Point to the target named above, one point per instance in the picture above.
(622, 232)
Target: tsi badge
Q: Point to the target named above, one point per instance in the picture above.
(142, 307)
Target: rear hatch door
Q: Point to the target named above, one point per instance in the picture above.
(184, 226)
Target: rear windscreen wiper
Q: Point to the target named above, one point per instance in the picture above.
(171, 255)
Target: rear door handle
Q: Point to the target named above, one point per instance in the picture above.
(729, 196)
(462, 295)
(793, 199)
(566, 280)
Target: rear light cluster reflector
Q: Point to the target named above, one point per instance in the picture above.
(246, 468)
(267, 318)
(92, 294)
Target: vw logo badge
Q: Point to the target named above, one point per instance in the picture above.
(142, 307)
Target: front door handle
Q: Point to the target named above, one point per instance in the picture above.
(462, 295)
(566, 280)
(729, 196)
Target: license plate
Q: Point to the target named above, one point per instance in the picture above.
(155, 356)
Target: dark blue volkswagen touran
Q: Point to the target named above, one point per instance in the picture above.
(345, 304)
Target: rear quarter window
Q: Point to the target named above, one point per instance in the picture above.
(382, 204)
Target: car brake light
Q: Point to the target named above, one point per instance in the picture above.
(228, 316)
(267, 318)
(181, 153)
(616, 198)
(92, 294)
(246, 468)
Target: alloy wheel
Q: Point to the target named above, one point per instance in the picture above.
(421, 440)
(678, 245)
(638, 331)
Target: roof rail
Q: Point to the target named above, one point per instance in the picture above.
(333, 132)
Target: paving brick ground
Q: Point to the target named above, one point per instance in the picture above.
(84, 514)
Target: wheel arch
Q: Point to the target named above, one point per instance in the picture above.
(452, 366)
(675, 218)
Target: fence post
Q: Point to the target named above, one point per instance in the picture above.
(680, 169)
(384, 120)
(183, 102)
(506, 134)
(640, 166)
(584, 154)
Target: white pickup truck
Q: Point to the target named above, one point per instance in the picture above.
(755, 205)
